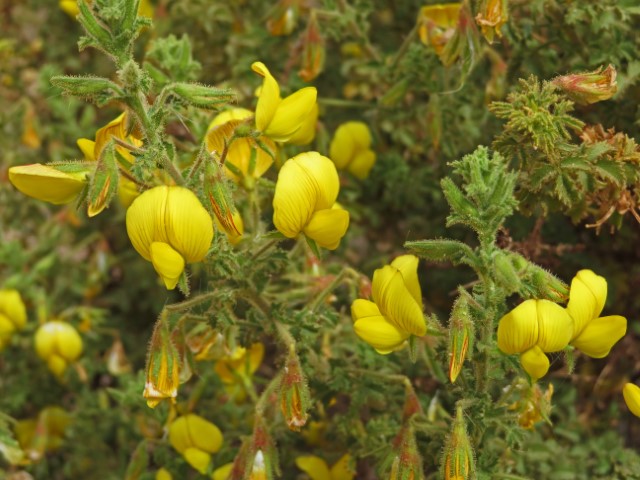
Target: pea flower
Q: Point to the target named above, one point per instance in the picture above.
(168, 226)
(437, 24)
(43, 434)
(305, 200)
(631, 394)
(57, 184)
(13, 315)
(592, 334)
(532, 328)
(396, 310)
(280, 118)
(351, 149)
(238, 368)
(238, 160)
(318, 469)
(195, 439)
(58, 344)
(307, 131)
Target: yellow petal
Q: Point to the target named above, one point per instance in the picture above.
(223, 472)
(188, 224)
(163, 474)
(70, 7)
(349, 139)
(327, 227)
(167, 262)
(46, 183)
(555, 326)
(395, 301)
(143, 215)
(294, 200)
(518, 329)
(12, 306)
(324, 173)
(269, 99)
(343, 469)
(291, 114)
(362, 308)
(57, 365)
(631, 394)
(204, 435)
(535, 363)
(229, 115)
(315, 467)
(127, 191)
(115, 128)
(362, 164)
(307, 131)
(87, 147)
(56, 338)
(6, 329)
(586, 298)
(600, 335)
(380, 334)
(408, 266)
(256, 354)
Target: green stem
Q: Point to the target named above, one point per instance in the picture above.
(176, 307)
(329, 288)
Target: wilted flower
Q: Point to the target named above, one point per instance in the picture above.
(283, 17)
(589, 87)
(533, 404)
(305, 200)
(13, 315)
(351, 149)
(294, 393)
(631, 394)
(168, 226)
(592, 334)
(532, 328)
(396, 310)
(313, 51)
(238, 368)
(437, 24)
(280, 118)
(317, 469)
(163, 367)
(57, 184)
(493, 14)
(239, 151)
(195, 439)
(58, 344)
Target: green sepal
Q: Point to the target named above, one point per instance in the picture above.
(104, 182)
(313, 246)
(441, 250)
(138, 463)
(202, 96)
(97, 89)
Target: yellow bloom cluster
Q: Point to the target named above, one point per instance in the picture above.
(351, 149)
(538, 326)
(396, 310)
(168, 226)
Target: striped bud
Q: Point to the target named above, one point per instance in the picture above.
(458, 462)
(460, 335)
(294, 393)
(407, 462)
(104, 182)
(163, 367)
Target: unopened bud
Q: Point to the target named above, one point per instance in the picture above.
(505, 272)
(203, 96)
(589, 87)
(460, 335)
(294, 393)
(104, 182)
(406, 463)
(546, 285)
(163, 367)
(458, 461)
(313, 52)
(412, 404)
(85, 86)
(262, 456)
(283, 17)
(219, 196)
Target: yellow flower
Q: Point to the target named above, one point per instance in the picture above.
(220, 132)
(168, 226)
(238, 368)
(305, 200)
(13, 315)
(59, 344)
(437, 24)
(317, 469)
(195, 439)
(307, 131)
(396, 310)
(631, 394)
(350, 149)
(223, 472)
(493, 14)
(593, 335)
(163, 368)
(532, 328)
(48, 183)
(43, 434)
(163, 474)
(280, 118)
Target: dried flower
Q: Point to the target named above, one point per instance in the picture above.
(589, 87)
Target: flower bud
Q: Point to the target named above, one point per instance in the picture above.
(163, 367)
(220, 200)
(460, 335)
(294, 393)
(506, 273)
(13, 315)
(283, 17)
(313, 50)
(203, 96)
(412, 404)
(407, 462)
(589, 87)
(59, 344)
(459, 462)
(261, 455)
(104, 183)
